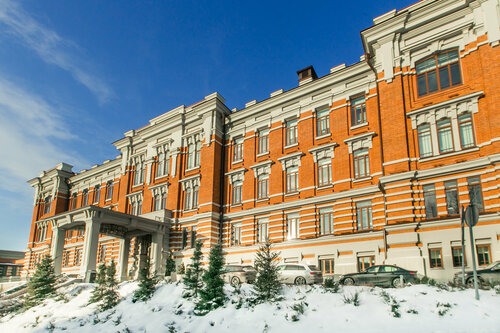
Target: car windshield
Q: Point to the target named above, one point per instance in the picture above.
(493, 264)
(313, 268)
(248, 268)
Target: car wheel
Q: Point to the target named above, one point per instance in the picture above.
(398, 282)
(348, 282)
(235, 281)
(470, 282)
(300, 281)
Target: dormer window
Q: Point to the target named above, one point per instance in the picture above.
(438, 72)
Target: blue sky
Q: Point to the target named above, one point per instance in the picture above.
(76, 75)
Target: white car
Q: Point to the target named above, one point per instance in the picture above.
(299, 274)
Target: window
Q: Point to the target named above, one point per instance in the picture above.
(3, 270)
(322, 122)
(326, 221)
(444, 135)
(191, 198)
(133, 208)
(109, 190)
(430, 201)
(361, 163)
(193, 237)
(324, 172)
(101, 256)
(164, 200)
(194, 152)
(435, 258)
(237, 188)
(238, 150)
(483, 255)
(97, 194)
(327, 266)
(364, 215)
(77, 257)
(184, 238)
(46, 204)
(466, 131)
(236, 234)
(457, 256)
(85, 198)
(73, 201)
(263, 230)
(424, 140)
(475, 193)
(188, 194)
(65, 259)
(358, 111)
(263, 187)
(157, 202)
(68, 235)
(263, 142)
(40, 232)
(451, 193)
(365, 262)
(139, 174)
(291, 132)
(292, 179)
(162, 165)
(292, 226)
(438, 72)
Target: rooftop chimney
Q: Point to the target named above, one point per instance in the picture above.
(306, 75)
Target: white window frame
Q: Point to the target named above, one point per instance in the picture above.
(293, 226)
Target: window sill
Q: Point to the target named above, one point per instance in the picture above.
(291, 194)
(262, 199)
(137, 185)
(263, 154)
(237, 161)
(190, 210)
(463, 151)
(236, 205)
(357, 180)
(359, 125)
(192, 169)
(324, 187)
(292, 145)
(319, 137)
(161, 177)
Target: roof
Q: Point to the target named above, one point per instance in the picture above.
(6, 254)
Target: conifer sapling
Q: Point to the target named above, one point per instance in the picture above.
(212, 295)
(147, 284)
(42, 284)
(267, 285)
(193, 279)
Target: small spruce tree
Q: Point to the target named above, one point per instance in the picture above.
(147, 284)
(98, 292)
(212, 295)
(170, 264)
(42, 284)
(193, 279)
(267, 285)
(110, 296)
(181, 269)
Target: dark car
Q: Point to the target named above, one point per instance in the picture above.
(237, 274)
(380, 275)
(488, 274)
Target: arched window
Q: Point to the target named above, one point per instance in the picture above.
(445, 139)
(424, 140)
(438, 72)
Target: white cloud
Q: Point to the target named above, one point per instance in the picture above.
(31, 132)
(52, 48)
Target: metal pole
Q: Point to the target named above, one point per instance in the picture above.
(473, 258)
(462, 226)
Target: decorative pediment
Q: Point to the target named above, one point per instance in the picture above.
(290, 161)
(323, 152)
(360, 141)
(190, 182)
(159, 189)
(135, 197)
(263, 168)
(236, 175)
(447, 109)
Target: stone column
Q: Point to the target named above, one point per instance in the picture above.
(90, 249)
(156, 250)
(57, 248)
(123, 259)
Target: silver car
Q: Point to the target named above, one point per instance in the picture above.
(300, 274)
(238, 274)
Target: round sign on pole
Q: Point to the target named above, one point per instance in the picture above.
(471, 215)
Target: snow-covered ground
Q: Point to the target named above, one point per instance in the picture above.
(421, 308)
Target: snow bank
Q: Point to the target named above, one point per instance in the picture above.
(421, 308)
